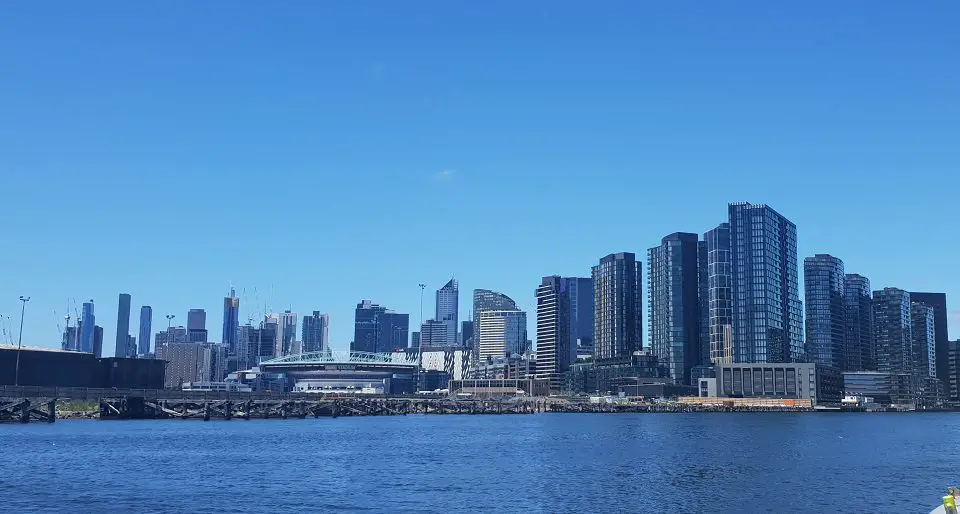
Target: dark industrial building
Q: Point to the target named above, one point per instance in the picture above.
(57, 368)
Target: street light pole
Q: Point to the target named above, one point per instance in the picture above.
(23, 309)
(166, 340)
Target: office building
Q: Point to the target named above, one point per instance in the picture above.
(823, 284)
(196, 326)
(231, 322)
(767, 312)
(123, 327)
(256, 344)
(501, 333)
(892, 331)
(394, 332)
(186, 362)
(87, 324)
(924, 340)
(316, 333)
(581, 314)
(719, 294)
(487, 300)
(673, 286)
(448, 308)
(860, 345)
(98, 341)
(466, 333)
(762, 380)
(554, 351)
(952, 385)
(618, 330)
(378, 330)
(70, 340)
(433, 333)
(414, 339)
(883, 388)
(146, 325)
(366, 323)
(171, 335)
(286, 322)
(938, 301)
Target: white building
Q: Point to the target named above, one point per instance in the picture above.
(502, 333)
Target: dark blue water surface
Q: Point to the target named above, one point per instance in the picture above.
(524, 463)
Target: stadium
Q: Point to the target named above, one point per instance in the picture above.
(346, 372)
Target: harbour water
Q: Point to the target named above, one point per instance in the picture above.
(770, 462)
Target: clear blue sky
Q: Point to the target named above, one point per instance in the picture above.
(324, 152)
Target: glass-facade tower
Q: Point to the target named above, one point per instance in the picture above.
(618, 320)
(448, 309)
(231, 322)
(87, 326)
(767, 311)
(823, 285)
(893, 331)
(553, 330)
(924, 340)
(673, 307)
(719, 294)
(146, 325)
(122, 348)
(859, 345)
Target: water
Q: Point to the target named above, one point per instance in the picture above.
(529, 463)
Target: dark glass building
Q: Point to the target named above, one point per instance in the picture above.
(924, 341)
(315, 332)
(122, 348)
(823, 281)
(231, 321)
(618, 319)
(378, 330)
(893, 331)
(859, 343)
(938, 301)
(767, 312)
(466, 332)
(581, 313)
(197, 326)
(553, 330)
(719, 295)
(673, 289)
(146, 325)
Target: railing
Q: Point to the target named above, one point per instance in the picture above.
(92, 393)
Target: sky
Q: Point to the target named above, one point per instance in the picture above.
(314, 154)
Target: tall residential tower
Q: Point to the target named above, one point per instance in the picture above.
(618, 328)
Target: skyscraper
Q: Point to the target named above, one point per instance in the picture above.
(377, 329)
(146, 325)
(197, 326)
(938, 301)
(923, 335)
(719, 294)
(893, 331)
(231, 321)
(860, 346)
(487, 300)
(286, 331)
(618, 323)
(501, 333)
(466, 332)
(581, 313)
(316, 333)
(823, 284)
(767, 312)
(674, 308)
(123, 327)
(87, 324)
(433, 333)
(366, 322)
(98, 341)
(554, 350)
(394, 331)
(448, 308)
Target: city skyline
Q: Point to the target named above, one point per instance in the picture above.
(414, 136)
(232, 300)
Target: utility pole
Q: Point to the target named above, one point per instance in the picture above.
(23, 309)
